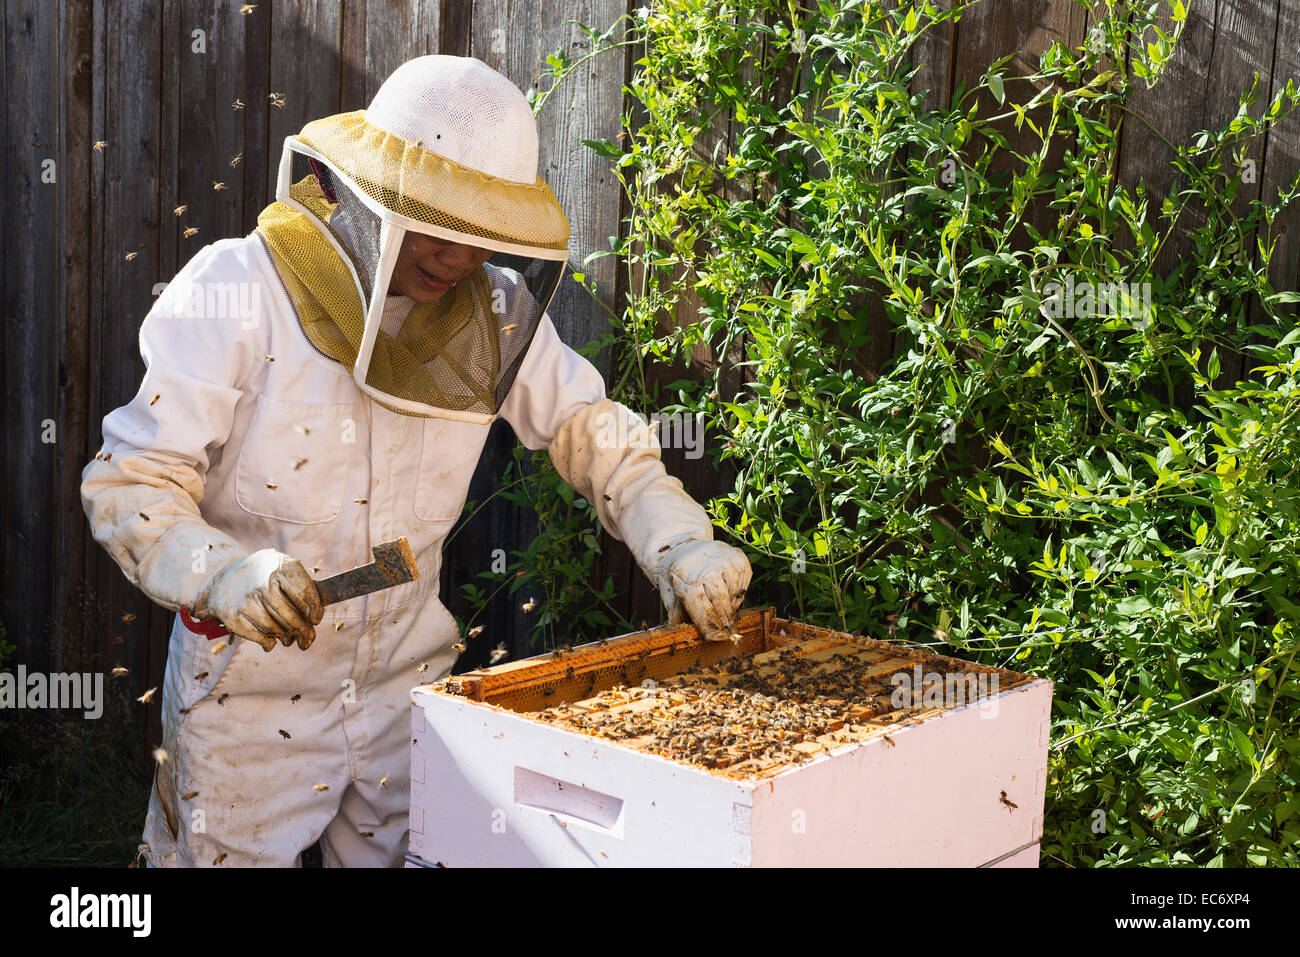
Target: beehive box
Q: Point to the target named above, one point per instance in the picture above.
(794, 745)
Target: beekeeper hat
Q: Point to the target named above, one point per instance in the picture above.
(448, 148)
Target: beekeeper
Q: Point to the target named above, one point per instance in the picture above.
(326, 384)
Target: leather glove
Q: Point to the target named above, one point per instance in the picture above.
(265, 597)
(706, 581)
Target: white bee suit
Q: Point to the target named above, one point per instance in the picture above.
(242, 437)
(294, 414)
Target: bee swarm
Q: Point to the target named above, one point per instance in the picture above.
(751, 712)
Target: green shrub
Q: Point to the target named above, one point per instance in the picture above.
(1065, 486)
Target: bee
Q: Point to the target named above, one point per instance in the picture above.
(129, 616)
(529, 605)
(268, 357)
(272, 486)
(285, 734)
(367, 833)
(459, 647)
(218, 186)
(147, 696)
(664, 549)
(607, 498)
(189, 795)
(247, 8)
(161, 756)
(422, 667)
(219, 647)
(119, 672)
(183, 710)
(234, 161)
(295, 699)
(144, 516)
(1009, 803)
(476, 631)
(99, 146)
(299, 463)
(222, 699)
(107, 456)
(218, 859)
(361, 501)
(200, 676)
(509, 328)
(302, 429)
(338, 626)
(890, 741)
(154, 400)
(190, 232)
(277, 99)
(383, 782)
(179, 209)
(130, 256)
(498, 653)
(320, 787)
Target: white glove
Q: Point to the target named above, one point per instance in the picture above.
(706, 581)
(264, 597)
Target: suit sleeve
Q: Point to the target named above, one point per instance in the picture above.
(142, 491)
(603, 449)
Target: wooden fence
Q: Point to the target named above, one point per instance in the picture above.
(157, 84)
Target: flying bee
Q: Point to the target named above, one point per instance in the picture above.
(99, 146)
(218, 186)
(361, 501)
(1009, 803)
(219, 647)
(299, 463)
(218, 859)
(247, 8)
(179, 209)
(154, 400)
(268, 357)
(144, 516)
(272, 486)
(119, 672)
(189, 795)
(147, 696)
(498, 653)
(129, 257)
(222, 699)
(285, 734)
(338, 626)
(509, 328)
(129, 616)
(193, 230)
(160, 756)
(183, 710)
(200, 676)
(422, 667)
(107, 456)
(320, 787)
(277, 99)
(475, 631)
(236, 158)
(237, 105)
(528, 605)
(295, 699)
(459, 647)
(383, 782)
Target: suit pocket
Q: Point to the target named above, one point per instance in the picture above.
(448, 458)
(293, 465)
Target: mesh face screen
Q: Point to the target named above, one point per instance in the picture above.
(460, 352)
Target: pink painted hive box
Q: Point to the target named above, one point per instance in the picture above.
(792, 745)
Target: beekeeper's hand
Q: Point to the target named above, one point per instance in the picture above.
(265, 597)
(705, 581)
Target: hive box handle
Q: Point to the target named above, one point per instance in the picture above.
(566, 799)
